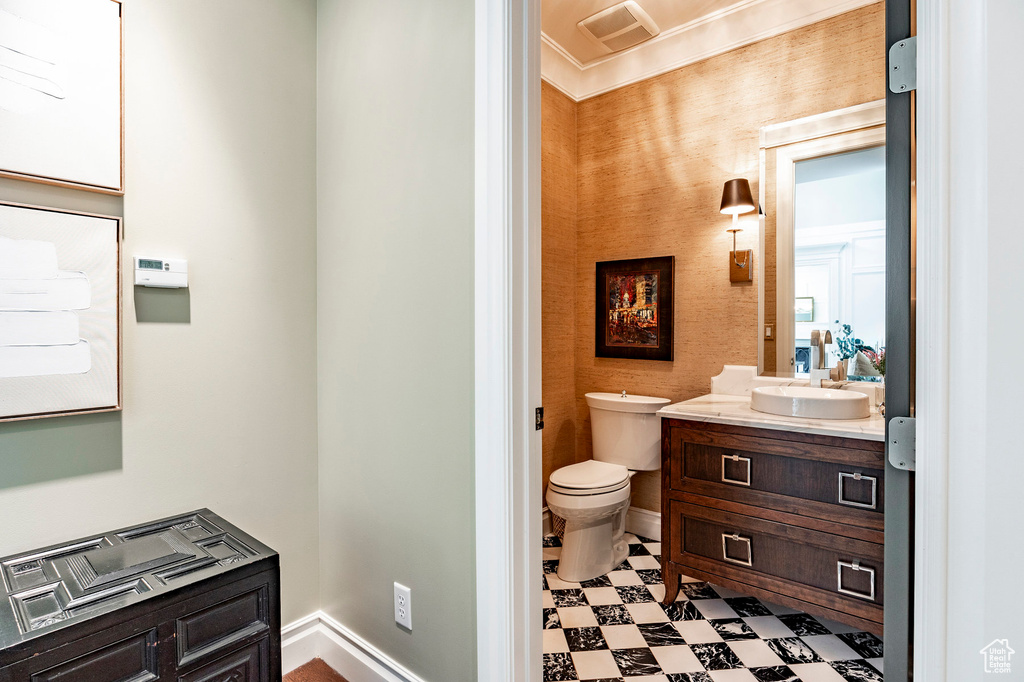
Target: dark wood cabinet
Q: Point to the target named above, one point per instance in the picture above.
(795, 519)
(186, 598)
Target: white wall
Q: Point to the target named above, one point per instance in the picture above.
(219, 383)
(395, 288)
(986, 456)
(854, 198)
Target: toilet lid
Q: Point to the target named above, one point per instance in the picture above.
(590, 474)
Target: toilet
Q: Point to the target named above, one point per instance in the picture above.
(593, 496)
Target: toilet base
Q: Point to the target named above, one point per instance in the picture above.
(593, 547)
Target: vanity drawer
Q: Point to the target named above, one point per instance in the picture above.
(221, 626)
(848, 485)
(834, 571)
(247, 664)
(821, 478)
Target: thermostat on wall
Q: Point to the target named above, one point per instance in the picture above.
(166, 273)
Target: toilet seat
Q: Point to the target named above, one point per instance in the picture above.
(589, 478)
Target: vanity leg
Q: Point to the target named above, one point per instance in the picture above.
(671, 577)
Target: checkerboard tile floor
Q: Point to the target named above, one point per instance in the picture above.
(614, 627)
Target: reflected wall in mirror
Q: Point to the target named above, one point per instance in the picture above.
(823, 240)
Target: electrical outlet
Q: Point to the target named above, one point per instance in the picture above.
(403, 606)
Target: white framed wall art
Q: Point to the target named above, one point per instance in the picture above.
(60, 92)
(60, 312)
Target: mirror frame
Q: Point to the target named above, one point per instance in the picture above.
(834, 132)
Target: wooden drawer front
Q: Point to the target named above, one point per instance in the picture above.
(221, 626)
(132, 659)
(831, 563)
(249, 664)
(847, 485)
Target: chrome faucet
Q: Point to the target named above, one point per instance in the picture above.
(818, 369)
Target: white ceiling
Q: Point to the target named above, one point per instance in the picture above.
(691, 31)
(559, 18)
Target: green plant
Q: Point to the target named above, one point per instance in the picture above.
(847, 344)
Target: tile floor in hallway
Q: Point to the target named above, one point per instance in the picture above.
(615, 628)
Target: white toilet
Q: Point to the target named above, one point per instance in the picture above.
(593, 496)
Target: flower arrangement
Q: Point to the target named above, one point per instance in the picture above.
(877, 359)
(848, 345)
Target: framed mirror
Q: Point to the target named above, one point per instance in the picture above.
(823, 241)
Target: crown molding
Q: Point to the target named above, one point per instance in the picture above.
(736, 26)
(559, 68)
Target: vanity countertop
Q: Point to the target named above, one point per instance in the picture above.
(735, 409)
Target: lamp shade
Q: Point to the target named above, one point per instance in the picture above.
(736, 197)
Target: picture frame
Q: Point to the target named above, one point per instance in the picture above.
(61, 93)
(803, 308)
(60, 312)
(634, 309)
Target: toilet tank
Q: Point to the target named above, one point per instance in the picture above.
(626, 430)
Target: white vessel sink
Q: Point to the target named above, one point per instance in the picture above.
(811, 403)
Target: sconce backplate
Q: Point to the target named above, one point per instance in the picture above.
(745, 271)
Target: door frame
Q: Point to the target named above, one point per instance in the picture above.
(946, 124)
(507, 339)
(507, 321)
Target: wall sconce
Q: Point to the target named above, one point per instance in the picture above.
(737, 199)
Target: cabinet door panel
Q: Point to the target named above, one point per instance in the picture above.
(130, 660)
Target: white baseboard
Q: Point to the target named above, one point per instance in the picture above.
(644, 523)
(638, 522)
(320, 636)
(300, 642)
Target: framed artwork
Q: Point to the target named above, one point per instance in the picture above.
(60, 312)
(803, 308)
(634, 309)
(60, 92)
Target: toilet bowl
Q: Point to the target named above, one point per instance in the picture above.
(593, 496)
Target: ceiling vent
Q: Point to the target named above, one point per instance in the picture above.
(618, 27)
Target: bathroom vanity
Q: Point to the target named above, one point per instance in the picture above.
(189, 598)
(785, 509)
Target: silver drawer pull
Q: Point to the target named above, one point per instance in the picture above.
(843, 477)
(736, 481)
(736, 537)
(855, 566)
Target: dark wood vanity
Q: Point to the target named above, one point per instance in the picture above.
(792, 518)
(190, 598)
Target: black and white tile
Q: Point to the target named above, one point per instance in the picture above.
(801, 624)
(614, 628)
(793, 650)
(570, 597)
(778, 673)
(716, 656)
(585, 639)
(733, 629)
(857, 671)
(864, 643)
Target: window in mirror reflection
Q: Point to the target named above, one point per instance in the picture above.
(839, 256)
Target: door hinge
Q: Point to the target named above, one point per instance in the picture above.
(903, 65)
(539, 424)
(902, 444)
